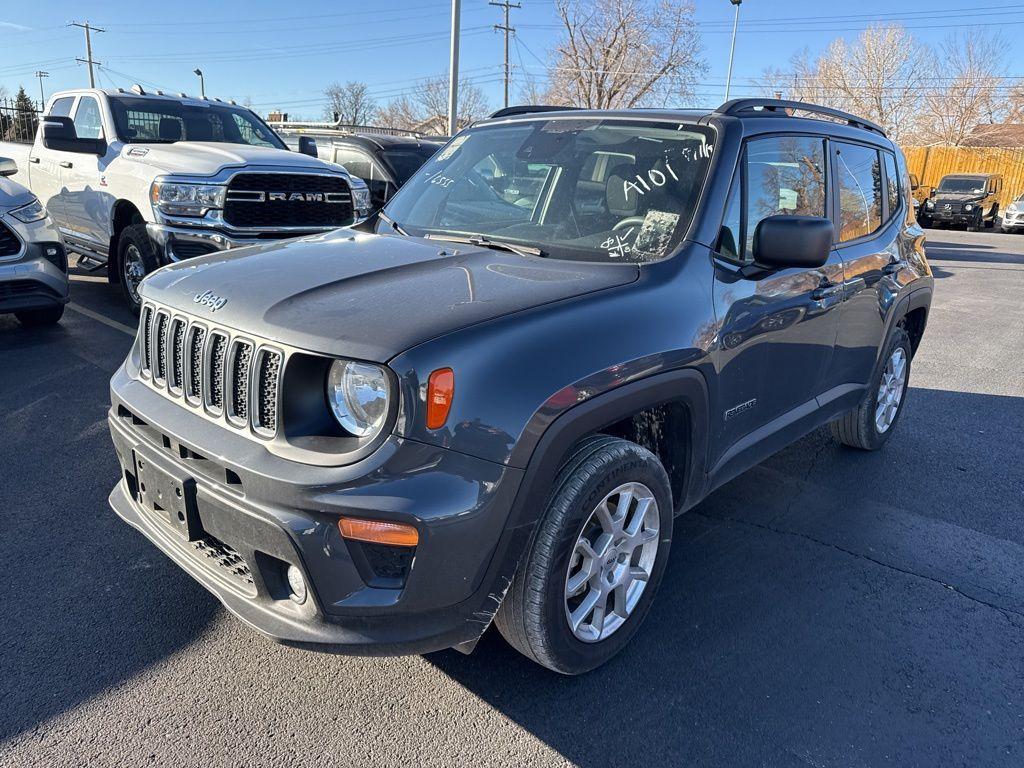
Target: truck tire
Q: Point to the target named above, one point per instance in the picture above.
(136, 258)
(598, 553)
(870, 425)
(33, 318)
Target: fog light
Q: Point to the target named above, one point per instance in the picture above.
(296, 584)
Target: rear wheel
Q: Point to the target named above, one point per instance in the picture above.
(36, 317)
(136, 258)
(590, 573)
(871, 423)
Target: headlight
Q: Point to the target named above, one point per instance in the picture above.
(186, 199)
(1011, 208)
(34, 211)
(968, 207)
(360, 196)
(358, 396)
(929, 204)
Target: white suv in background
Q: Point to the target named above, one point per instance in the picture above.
(1013, 216)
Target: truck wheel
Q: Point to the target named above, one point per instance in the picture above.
(976, 224)
(870, 424)
(32, 318)
(136, 258)
(589, 574)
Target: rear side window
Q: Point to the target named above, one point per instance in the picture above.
(61, 107)
(892, 179)
(785, 175)
(88, 124)
(859, 179)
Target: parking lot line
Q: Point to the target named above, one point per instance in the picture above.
(101, 319)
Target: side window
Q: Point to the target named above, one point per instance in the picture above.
(61, 107)
(730, 236)
(356, 163)
(88, 124)
(892, 179)
(251, 134)
(859, 178)
(785, 175)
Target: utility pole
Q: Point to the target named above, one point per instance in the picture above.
(508, 6)
(453, 73)
(88, 48)
(732, 48)
(42, 99)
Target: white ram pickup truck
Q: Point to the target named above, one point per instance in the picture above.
(136, 180)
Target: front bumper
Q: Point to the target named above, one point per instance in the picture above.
(956, 218)
(36, 277)
(1013, 221)
(255, 513)
(175, 243)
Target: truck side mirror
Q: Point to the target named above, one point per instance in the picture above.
(307, 146)
(793, 241)
(7, 167)
(59, 134)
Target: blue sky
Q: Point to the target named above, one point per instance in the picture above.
(282, 55)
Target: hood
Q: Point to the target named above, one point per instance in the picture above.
(12, 194)
(202, 158)
(366, 296)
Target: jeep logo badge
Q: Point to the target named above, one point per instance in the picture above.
(210, 299)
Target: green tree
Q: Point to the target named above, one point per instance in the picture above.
(26, 119)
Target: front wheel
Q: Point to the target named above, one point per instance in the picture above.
(136, 258)
(870, 425)
(591, 570)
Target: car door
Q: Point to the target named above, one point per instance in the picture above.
(870, 210)
(46, 171)
(777, 329)
(87, 201)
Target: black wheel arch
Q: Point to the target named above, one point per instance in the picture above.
(124, 214)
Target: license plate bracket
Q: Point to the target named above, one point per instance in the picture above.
(168, 494)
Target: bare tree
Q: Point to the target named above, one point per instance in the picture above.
(350, 103)
(426, 109)
(881, 76)
(625, 53)
(968, 90)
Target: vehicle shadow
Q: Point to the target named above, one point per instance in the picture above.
(792, 628)
(942, 250)
(87, 603)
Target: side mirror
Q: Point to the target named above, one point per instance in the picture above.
(8, 167)
(793, 241)
(914, 183)
(307, 146)
(59, 134)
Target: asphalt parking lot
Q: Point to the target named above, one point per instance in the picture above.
(828, 608)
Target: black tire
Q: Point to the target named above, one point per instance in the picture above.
(134, 237)
(994, 221)
(925, 222)
(33, 318)
(532, 617)
(977, 224)
(857, 428)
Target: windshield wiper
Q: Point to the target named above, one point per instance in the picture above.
(392, 223)
(485, 242)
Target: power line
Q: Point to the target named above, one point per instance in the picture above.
(88, 47)
(508, 30)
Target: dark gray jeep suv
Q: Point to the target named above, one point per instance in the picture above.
(488, 401)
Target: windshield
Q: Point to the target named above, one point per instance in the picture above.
(164, 121)
(405, 162)
(585, 189)
(962, 185)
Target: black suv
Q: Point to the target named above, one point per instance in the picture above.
(489, 400)
(968, 200)
(384, 162)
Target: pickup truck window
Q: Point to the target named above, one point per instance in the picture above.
(405, 162)
(532, 183)
(61, 107)
(141, 120)
(88, 123)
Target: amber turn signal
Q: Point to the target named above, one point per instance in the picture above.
(379, 532)
(440, 391)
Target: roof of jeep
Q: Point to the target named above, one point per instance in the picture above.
(972, 175)
(386, 141)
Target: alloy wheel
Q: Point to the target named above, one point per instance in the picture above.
(890, 390)
(132, 271)
(611, 562)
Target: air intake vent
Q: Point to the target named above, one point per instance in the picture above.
(196, 337)
(240, 361)
(177, 354)
(147, 339)
(161, 346)
(218, 351)
(269, 375)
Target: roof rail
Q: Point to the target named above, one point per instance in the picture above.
(737, 106)
(136, 88)
(525, 109)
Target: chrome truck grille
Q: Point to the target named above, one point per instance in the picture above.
(227, 376)
(288, 200)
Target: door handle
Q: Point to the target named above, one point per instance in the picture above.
(66, 164)
(826, 291)
(33, 159)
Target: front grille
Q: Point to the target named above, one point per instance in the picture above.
(264, 200)
(231, 378)
(9, 243)
(185, 249)
(240, 361)
(225, 558)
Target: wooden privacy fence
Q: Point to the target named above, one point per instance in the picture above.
(932, 163)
